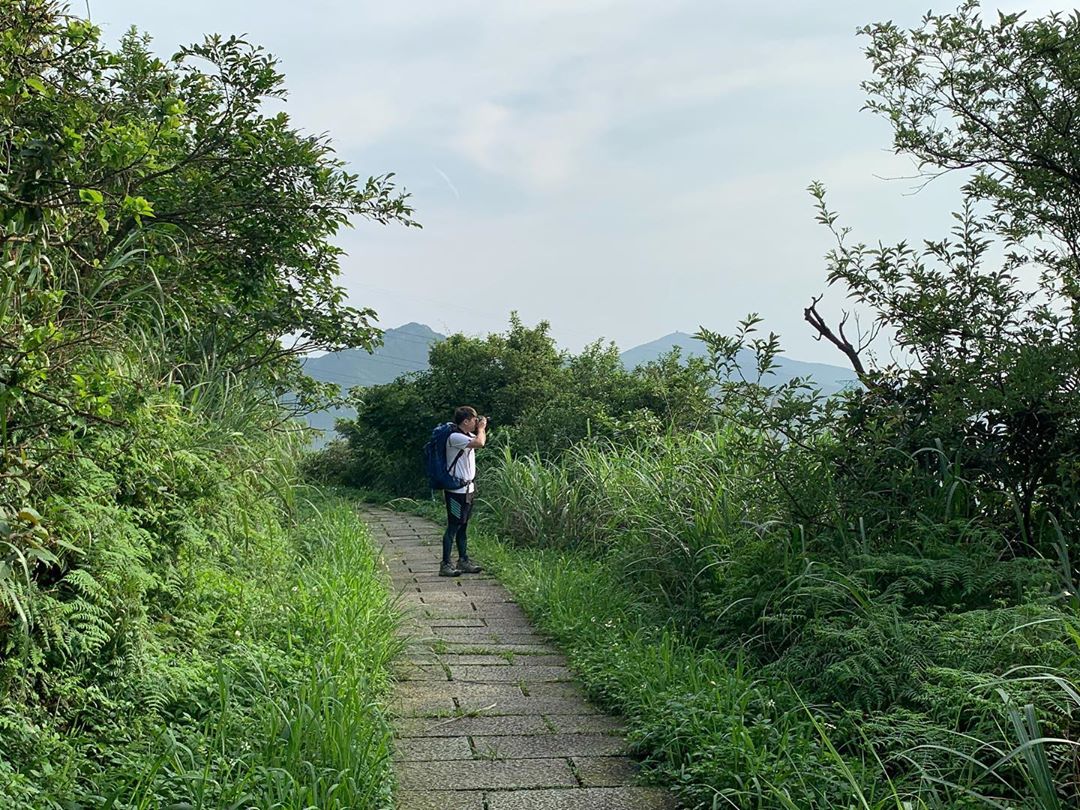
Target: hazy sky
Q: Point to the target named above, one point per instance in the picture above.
(620, 168)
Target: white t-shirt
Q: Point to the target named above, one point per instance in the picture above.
(466, 465)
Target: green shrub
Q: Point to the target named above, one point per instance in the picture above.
(616, 546)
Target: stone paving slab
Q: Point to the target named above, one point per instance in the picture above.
(446, 611)
(556, 689)
(471, 726)
(480, 647)
(487, 706)
(443, 597)
(605, 771)
(500, 624)
(473, 589)
(475, 660)
(483, 635)
(568, 723)
(440, 800)
(551, 708)
(513, 673)
(515, 746)
(619, 798)
(454, 689)
(434, 748)
(427, 706)
(407, 671)
(453, 659)
(486, 774)
(504, 610)
(420, 656)
(511, 727)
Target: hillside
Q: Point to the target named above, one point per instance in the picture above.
(832, 379)
(405, 349)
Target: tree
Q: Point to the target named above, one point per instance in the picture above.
(166, 177)
(542, 400)
(986, 406)
(999, 98)
(160, 236)
(998, 357)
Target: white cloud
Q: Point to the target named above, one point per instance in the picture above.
(529, 91)
(620, 167)
(544, 150)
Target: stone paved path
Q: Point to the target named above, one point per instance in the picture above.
(488, 715)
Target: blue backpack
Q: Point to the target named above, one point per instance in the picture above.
(435, 464)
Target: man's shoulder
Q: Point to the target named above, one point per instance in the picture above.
(459, 439)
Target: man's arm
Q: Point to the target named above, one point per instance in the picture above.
(480, 439)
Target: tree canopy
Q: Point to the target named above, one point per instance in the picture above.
(986, 316)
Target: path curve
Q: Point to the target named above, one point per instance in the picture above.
(487, 714)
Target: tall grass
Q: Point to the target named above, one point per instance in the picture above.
(669, 512)
(295, 717)
(764, 663)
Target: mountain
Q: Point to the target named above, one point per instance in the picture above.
(403, 349)
(831, 379)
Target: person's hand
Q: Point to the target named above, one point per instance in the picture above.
(483, 423)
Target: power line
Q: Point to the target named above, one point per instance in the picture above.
(344, 376)
(378, 356)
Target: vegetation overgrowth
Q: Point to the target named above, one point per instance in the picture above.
(742, 647)
(182, 624)
(868, 600)
(540, 398)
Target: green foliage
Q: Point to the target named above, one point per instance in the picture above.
(146, 646)
(165, 254)
(987, 412)
(977, 417)
(540, 400)
(157, 196)
(899, 654)
(900, 559)
(994, 340)
(999, 96)
(294, 716)
(703, 722)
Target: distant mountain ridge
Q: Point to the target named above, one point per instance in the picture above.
(405, 349)
(831, 379)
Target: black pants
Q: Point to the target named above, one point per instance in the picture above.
(458, 511)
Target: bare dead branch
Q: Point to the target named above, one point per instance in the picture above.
(814, 318)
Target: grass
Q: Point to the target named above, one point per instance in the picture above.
(674, 694)
(292, 713)
(762, 666)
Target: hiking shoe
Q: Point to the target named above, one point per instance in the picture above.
(467, 566)
(448, 570)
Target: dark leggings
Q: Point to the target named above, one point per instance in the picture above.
(458, 511)
(459, 530)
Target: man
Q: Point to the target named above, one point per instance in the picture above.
(461, 456)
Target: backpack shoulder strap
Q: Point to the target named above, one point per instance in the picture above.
(460, 453)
